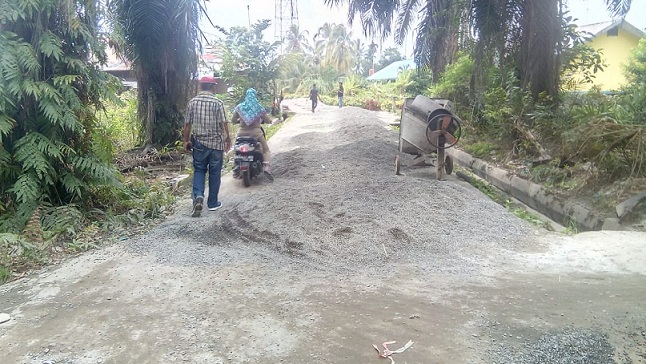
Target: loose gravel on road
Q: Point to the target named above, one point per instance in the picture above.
(338, 205)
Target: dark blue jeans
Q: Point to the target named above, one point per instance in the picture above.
(206, 159)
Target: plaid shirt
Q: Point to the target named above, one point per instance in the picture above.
(205, 113)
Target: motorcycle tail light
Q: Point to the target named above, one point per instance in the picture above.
(245, 148)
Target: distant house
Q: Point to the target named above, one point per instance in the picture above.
(119, 67)
(615, 40)
(210, 60)
(390, 72)
(210, 63)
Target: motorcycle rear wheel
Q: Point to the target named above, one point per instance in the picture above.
(246, 178)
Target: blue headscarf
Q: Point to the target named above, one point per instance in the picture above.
(250, 109)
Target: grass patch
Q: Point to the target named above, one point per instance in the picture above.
(481, 149)
(524, 214)
(552, 176)
(5, 274)
(502, 199)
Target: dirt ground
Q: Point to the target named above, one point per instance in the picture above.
(336, 255)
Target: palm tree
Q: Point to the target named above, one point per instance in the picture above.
(339, 51)
(160, 38)
(333, 44)
(618, 8)
(369, 58)
(359, 51)
(322, 40)
(523, 31)
(296, 40)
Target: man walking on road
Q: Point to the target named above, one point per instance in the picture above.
(209, 138)
(339, 94)
(314, 96)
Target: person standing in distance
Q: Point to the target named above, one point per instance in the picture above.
(314, 96)
(206, 134)
(340, 94)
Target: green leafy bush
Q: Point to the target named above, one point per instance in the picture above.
(454, 83)
(50, 88)
(633, 96)
(580, 62)
(117, 128)
(610, 131)
(250, 61)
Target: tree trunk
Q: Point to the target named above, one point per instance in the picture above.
(150, 118)
(447, 24)
(540, 26)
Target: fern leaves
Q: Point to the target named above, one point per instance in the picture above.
(26, 189)
(49, 90)
(50, 45)
(93, 169)
(6, 124)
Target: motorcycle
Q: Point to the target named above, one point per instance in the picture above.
(247, 159)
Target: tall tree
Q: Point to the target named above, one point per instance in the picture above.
(359, 51)
(390, 55)
(250, 61)
(369, 58)
(522, 31)
(334, 45)
(297, 41)
(160, 38)
(340, 52)
(538, 53)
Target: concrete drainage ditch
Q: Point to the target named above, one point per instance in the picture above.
(538, 198)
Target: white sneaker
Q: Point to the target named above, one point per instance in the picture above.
(219, 205)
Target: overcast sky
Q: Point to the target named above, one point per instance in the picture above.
(313, 13)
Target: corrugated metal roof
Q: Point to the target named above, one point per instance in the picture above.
(391, 71)
(597, 29)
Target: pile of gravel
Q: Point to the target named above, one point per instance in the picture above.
(568, 346)
(337, 205)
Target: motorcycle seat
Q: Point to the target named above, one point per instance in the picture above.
(250, 140)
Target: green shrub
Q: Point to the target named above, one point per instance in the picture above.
(633, 96)
(552, 175)
(5, 274)
(481, 149)
(50, 89)
(454, 83)
(117, 128)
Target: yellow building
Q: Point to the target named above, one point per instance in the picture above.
(615, 40)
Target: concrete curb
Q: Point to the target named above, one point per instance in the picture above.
(531, 194)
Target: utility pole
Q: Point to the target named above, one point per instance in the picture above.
(249, 16)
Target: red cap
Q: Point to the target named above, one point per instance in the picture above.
(208, 79)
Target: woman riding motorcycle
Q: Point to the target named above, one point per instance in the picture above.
(250, 114)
